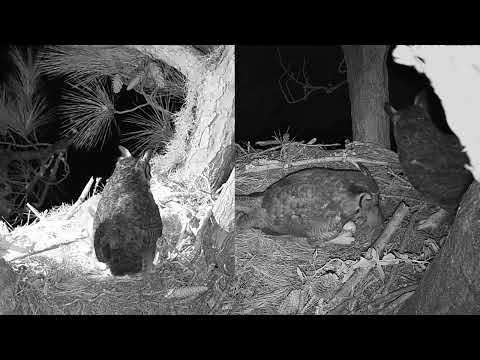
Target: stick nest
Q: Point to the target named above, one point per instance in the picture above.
(284, 275)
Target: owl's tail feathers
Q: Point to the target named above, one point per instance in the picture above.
(124, 262)
(121, 259)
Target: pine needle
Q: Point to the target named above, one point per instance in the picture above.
(22, 107)
(89, 113)
(156, 129)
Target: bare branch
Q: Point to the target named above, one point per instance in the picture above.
(80, 200)
(304, 82)
(131, 110)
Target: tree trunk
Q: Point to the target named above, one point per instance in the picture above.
(206, 127)
(211, 96)
(452, 282)
(212, 146)
(368, 88)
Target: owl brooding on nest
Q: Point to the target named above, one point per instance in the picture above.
(316, 203)
(127, 222)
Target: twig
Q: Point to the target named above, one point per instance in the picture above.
(80, 200)
(131, 110)
(309, 304)
(387, 298)
(279, 165)
(305, 84)
(267, 142)
(97, 182)
(35, 211)
(322, 145)
(340, 158)
(402, 247)
(268, 150)
(347, 290)
(241, 148)
(24, 146)
(401, 197)
(53, 247)
(394, 223)
(395, 304)
(399, 177)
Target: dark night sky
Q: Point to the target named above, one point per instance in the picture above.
(261, 109)
(99, 162)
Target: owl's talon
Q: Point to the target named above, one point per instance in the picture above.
(345, 238)
(433, 221)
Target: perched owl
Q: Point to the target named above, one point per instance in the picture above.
(127, 221)
(432, 160)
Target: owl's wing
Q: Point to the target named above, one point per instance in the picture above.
(101, 243)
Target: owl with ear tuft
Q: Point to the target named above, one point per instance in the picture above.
(127, 222)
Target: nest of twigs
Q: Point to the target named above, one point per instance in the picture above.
(284, 275)
(56, 271)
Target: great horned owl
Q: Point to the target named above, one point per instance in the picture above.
(433, 161)
(315, 203)
(127, 221)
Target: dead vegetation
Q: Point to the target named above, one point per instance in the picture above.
(57, 271)
(283, 275)
(53, 258)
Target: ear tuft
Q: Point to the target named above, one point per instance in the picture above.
(389, 109)
(124, 152)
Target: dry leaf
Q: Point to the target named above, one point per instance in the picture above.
(185, 292)
(293, 303)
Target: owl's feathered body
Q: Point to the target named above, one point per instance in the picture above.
(432, 160)
(127, 221)
(314, 203)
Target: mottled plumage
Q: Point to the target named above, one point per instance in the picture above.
(127, 221)
(432, 160)
(314, 203)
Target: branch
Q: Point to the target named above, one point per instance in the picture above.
(131, 110)
(24, 146)
(184, 58)
(308, 88)
(53, 247)
(35, 211)
(345, 293)
(394, 223)
(279, 165)
(80, 200)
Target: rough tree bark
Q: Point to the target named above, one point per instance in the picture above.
(368, 88)
(211, 89)
(212, 146)
(452, 282)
